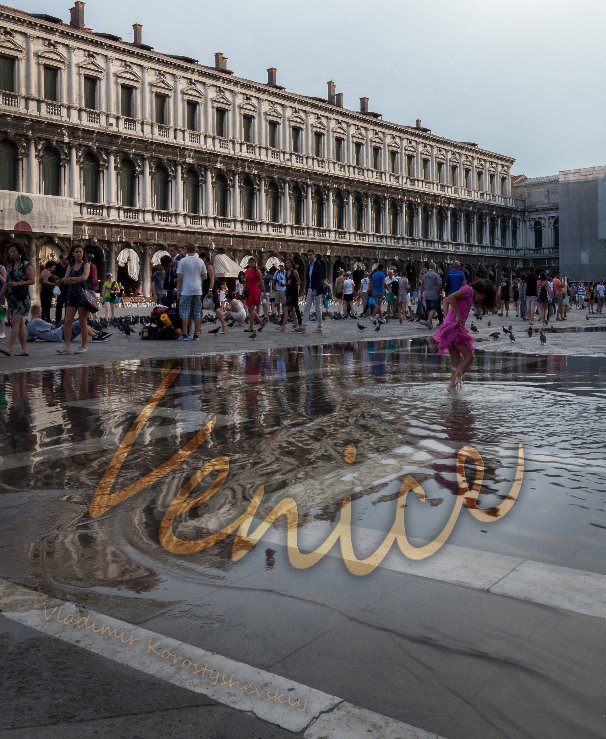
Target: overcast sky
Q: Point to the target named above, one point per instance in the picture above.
(520, 77)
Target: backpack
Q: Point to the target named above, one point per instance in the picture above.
(543, 294)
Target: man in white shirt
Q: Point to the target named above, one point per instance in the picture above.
(191, 270)
(364, 284)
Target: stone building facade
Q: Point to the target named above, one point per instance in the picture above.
(538, 200)
(157, 149)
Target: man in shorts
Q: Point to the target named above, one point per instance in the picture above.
(279, 285)
(191, 271)
(531, 293)
(378, 281)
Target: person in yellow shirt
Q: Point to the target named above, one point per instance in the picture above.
(110, 290)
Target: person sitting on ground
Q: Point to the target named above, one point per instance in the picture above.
(236, 312)
(39, 330)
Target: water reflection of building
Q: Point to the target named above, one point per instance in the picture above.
(156, 148)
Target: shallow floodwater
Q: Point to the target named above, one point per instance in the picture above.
(313, 423)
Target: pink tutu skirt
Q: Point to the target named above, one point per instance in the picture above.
(449, 335)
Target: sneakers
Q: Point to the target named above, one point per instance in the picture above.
(81, 350)
(318, 331)
(299, 330)
(196, 337)
(3, 335)
(98, 338)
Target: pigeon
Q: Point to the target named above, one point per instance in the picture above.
(231, 324)
(215, 330)
(127, 329)
(378, 327)
(505, 330)
(253, 335)
(510, 328)
(529, 332)
(361, 327)
(489, 324)
(474, 328)
(587, 317)
(477, 316)
(512, 337)
(495, 335)
(543, 338)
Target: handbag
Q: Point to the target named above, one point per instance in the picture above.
(208, 303)
(56, 290)
(89, 300)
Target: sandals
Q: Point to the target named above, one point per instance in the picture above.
(5, 352)
(64, 350)
(81, 350)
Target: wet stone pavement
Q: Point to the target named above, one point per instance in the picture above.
(172, 503)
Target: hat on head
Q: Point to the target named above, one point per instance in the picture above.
(108, 274)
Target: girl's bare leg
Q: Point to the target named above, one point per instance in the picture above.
(455, 358)
(468, 357)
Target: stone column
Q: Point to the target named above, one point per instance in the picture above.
(386, 226)
(262, 209)
(208, 193)
(73, 175)
(110, 177)
(419, 221)
(178, 204)
(237, 214)
(368, 215)
(146, 256)
(286, 203)
(329, 210)
(70, 86)
(433, 234)
(448, 234)
(308, 206)
(109, 91)
(30, 76)
(145, 185)
(32, 184)
(349, 209)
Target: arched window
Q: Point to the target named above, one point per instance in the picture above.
(191, 192)
(221, 195)
(248, 199)
(468, 228)
(425, 222)
(503, 231)
(51, 171)
(128, 180)
(318, 207)
(273, 203)
(8, 166)
(297, 205)
(393, 219)
(514, 233)
(410, 221)
(358, 213)
(377, 216)
(161, 188)
(454, 225)
(90, 178)
(538, 235)
(440, 225)
(556, 233)
(339, 210)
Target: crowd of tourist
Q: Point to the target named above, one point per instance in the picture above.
(185, 281)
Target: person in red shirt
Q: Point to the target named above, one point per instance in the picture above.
(558, 289)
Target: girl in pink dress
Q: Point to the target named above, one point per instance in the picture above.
(452, 336)
(254, 288)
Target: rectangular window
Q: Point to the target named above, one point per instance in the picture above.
(7, 73)
(376, 157)
(161, 103)
(51, 83)
(296, 140)
(359, 153)
(318, 144)
(410, 165)
(339, 149)
(504, 186)
(127, 100)
(454, 174)
(90, 93)
(221, 122)
(492, 183)
(393, 162)
(468, 179)
(440, 172)
(426, 164)
(191, 110)
(247, 128)
(480, 180)
(273, 130)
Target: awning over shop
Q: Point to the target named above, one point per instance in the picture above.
(226, 267)
(130, 259)
(29, 213)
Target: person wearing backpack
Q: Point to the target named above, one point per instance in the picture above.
(543, 297)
